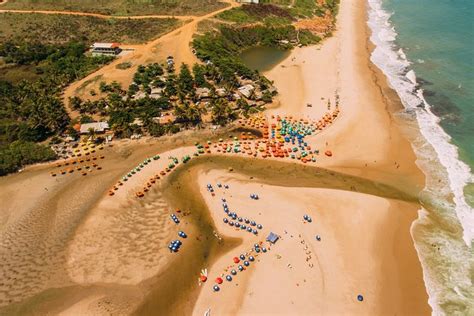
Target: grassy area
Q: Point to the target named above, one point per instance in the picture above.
(121, 7)
(60, 29)
(17, 73)
(266, 13)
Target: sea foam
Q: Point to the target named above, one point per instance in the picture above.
(446, 174)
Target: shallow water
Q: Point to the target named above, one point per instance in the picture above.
(263, 58)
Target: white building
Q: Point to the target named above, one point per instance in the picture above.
(248, 1)
(98, 127)
(246, 90)
(108, 49)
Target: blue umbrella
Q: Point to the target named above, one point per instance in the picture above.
(216, 288)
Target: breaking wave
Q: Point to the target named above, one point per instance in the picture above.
(446, 267)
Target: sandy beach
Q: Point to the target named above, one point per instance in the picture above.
(72, 249)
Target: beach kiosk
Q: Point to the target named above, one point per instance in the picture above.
(272, 237)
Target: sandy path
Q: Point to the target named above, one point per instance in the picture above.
(101, 16)
(176, 43)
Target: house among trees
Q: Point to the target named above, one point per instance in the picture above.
(246, 90)
(97, 127)
(202, 93)
(108, 49)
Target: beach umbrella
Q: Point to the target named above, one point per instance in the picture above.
(249, 229)
(360, 298)
(255, 232)
(231, 223)
(240, 219)
(233, 272)
(259, 226)
(219, 280)
(247, 221)
(251, 258)
(253, 223)
(203, 278)
(246, 263)
(237, 225)
(318, 238)
(242, 257)
(236, 260)
(241, 268)
(264, 249)
(243, 226)
(225, 220)
(228, 278)
(216, 288)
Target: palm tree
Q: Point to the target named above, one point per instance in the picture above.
(91, 132)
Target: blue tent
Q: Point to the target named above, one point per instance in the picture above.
(272, 238)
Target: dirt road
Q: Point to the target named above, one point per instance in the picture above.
(175, 43)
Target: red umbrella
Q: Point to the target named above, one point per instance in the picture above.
(236, 260)
(219, 281)
(203, 278)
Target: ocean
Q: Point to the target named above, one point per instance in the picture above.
(426, 50)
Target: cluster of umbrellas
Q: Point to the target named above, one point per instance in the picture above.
(175, 245)
(254, 196)
(234, 220)
(72, 165)
(307, 218)
(174, 161)
(84, 169)
(242, 262)
(174, 218)
(86, 149)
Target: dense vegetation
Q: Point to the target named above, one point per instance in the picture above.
(272, 12)
(121, 7)
(20, 153)
(157, 89)
(231, 41)
(32, 111)
(61, 29)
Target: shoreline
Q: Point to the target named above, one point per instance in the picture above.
(443, 230)
(291, 78)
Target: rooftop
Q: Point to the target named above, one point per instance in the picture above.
(105, 45)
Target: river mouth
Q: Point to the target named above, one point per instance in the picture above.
(263, 58)
(176, 290)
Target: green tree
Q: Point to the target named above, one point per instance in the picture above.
(221, 112)
(185, 79)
